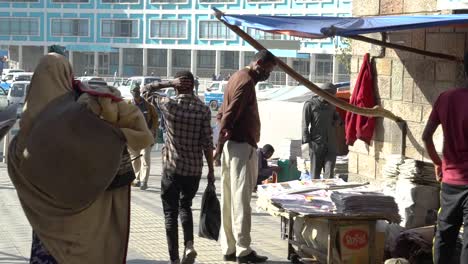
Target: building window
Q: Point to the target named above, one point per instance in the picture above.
(206, 58)
(120, 1)
(216, 1)
(214, 30)
(258, 34)
(314, 1)
(168, 1)
(181, 58)
(301, 66)
(229, 60)
(323, 68)
(19, 1)
(123, 28)
(70, 27)
(168, 29)
(70, 1)
(157, 57)
(15, 26)
(264, 1)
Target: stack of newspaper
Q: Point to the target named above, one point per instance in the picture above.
(366, 202)
(390, 172)
(418, 172)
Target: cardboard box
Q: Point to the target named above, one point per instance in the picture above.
(354, 244)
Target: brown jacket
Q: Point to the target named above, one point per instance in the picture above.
(239, 111)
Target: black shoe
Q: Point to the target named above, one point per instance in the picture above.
(251, 258)
(136, 184)
(230, 257)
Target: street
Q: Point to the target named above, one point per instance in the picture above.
(147, 234)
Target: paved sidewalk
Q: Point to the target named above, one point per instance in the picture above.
(147, 234)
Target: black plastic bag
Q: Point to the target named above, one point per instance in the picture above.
(210, 215)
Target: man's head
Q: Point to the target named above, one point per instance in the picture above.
(268, 151)
(329, 88)
(185, 87)
(136, 92)
(263, 64)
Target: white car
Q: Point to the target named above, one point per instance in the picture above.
(18, 76)
(5, 72)
(17, 92)
(128, 84)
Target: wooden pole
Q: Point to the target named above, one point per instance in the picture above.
(376, 111)
(405, 48)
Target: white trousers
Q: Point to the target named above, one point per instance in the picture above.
(239, 177)
(141, 165)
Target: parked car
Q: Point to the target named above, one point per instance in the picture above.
(214, 94)
(17, 92)
(93, 81)
(132, 81)
(5, 72)
(3, 99)
(17, 76)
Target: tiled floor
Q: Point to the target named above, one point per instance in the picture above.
(147, 236)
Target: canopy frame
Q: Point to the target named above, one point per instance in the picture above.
(376, 111)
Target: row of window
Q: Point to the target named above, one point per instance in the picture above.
(160, 1)
(114, 28)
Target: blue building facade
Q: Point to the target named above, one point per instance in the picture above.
(159, 37)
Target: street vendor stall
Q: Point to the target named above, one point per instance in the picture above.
(329, 221)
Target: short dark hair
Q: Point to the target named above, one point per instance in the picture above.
(185, 74)
(268, 148)
(136, 87)
(265, 56)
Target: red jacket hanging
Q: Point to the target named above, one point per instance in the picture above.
(357, 126)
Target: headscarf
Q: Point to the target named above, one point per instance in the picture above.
(52, 78)
(94, 231)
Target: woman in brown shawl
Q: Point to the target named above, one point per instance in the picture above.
(62, 163)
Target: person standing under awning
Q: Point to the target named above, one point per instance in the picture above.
(319, 120)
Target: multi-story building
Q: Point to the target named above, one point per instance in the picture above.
(159, 37)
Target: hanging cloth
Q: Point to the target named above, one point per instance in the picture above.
(358, 126)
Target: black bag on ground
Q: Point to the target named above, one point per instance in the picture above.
(210, 215)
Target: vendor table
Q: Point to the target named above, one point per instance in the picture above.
(335, 221)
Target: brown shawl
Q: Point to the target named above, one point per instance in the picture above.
(62, 185)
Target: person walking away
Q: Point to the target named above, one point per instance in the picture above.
(197, 84)
(63, 187)
(319, 121)
(240, 132)
(189, 136)
(265, 171)
(450, 111)
(142, 164)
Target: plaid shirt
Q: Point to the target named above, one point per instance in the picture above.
(188, 127)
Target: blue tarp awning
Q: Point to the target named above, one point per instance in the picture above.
(325, 26)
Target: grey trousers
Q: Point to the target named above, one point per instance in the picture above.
(321, 159)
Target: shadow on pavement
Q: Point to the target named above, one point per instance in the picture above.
(144, 261)
(10, 258)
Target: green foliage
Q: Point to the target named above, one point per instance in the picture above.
(343, 52)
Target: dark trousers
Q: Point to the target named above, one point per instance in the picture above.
(452, 214)
(321, 159)
(177, 193)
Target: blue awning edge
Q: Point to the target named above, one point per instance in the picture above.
(317, 27)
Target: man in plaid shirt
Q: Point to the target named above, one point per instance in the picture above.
(189, 136)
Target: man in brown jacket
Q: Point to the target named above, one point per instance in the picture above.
(151, 117)
(239, 133)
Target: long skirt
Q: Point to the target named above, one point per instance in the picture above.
(39, 254)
